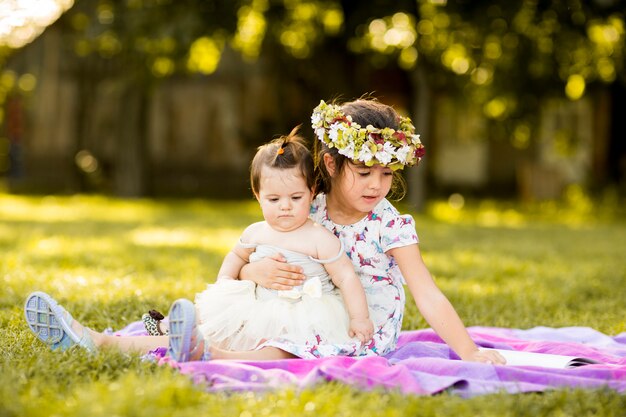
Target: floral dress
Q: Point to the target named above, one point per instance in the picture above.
(366, 243)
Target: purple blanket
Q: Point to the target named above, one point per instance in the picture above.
(424, 365)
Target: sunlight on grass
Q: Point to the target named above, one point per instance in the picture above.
(485, 216)
(575, 209)
(99, 247)
(61, 244)
(221, 240)
(59, 209)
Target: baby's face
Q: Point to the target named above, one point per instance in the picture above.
(284, 197)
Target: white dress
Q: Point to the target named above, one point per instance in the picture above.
(239, 315)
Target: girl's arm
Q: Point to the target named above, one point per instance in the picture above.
(273, 272)
(343, 276)
(436, 308)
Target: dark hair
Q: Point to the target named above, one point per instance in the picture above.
(364, 112)
(284, 152)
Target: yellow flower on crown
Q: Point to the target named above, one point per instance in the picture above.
(372, 146)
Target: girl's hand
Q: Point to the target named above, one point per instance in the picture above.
(363, 329)
(486, 356)
(273, 273)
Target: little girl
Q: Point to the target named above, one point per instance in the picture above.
(361, 146)
(237, 316)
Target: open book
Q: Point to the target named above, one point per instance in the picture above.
(544, 360)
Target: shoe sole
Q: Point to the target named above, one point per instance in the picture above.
(46, 320)
(182, 318)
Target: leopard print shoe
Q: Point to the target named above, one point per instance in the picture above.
(152, 323)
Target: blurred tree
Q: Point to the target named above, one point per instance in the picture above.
(506, 55)
(138, 43)
(503, 55)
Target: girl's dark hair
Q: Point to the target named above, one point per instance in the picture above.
(364, 112)
(284, 152)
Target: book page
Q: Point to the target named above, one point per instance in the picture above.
(544, 360)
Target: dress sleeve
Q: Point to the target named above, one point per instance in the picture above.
(398, 231)
(246, 245)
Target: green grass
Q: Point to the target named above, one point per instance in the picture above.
(110, 260)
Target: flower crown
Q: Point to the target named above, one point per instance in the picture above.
(372, 146)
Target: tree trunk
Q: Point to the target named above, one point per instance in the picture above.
(416, 176)
(130, 170)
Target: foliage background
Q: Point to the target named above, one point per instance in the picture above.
(504, 58)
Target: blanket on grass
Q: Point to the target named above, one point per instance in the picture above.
(424, 365)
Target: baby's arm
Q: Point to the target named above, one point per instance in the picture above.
(233, 262)
(343, 276)
(436, 308)
(235, 259)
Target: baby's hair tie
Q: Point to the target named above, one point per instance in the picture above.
(281, 149)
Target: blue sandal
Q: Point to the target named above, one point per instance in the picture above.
(182, 321)
(52, 324)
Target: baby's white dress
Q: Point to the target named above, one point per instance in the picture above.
(239, 315)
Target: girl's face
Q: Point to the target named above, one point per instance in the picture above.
(360, 188)
(284, 197)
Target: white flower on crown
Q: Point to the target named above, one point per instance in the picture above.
(348, 151)
(316, 118)
(320, 132)
(333, 132)
(386, 154)
(365, 154)
(402, 152)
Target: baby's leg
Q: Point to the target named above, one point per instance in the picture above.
(55, 326)
(264, 354)
(138, 344)
(186, 343)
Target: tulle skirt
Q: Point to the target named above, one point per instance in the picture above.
(233, 317)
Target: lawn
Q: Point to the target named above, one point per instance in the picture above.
(110, 260)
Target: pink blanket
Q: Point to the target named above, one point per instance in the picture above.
(422, 364)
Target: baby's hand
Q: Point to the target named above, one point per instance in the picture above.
(487, 356)
(363, 329)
